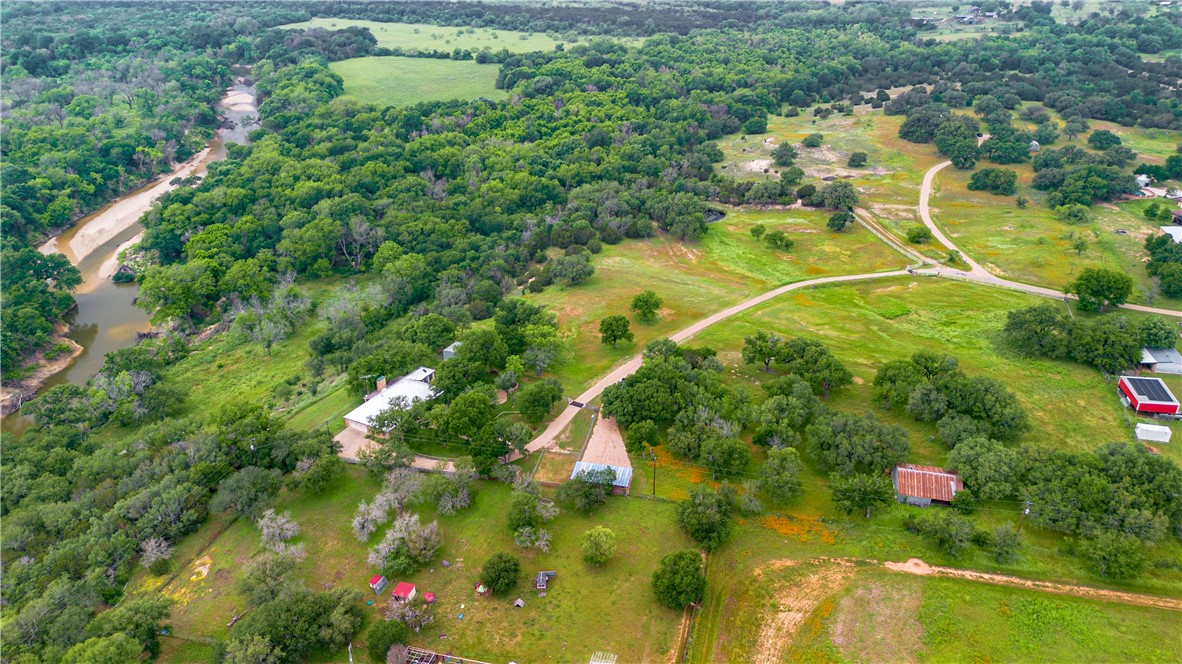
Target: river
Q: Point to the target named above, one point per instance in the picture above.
(106, 318)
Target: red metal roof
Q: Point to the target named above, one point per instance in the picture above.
(403, 589)
(373, 580)
(927, 482)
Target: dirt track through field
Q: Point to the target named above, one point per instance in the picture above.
(795, 602)
(920, 568)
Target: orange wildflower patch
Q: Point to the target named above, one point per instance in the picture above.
(804, 529)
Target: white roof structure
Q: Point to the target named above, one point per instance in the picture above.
(1174, 232)
(1153, 432)
(410, 388)
(1162, 360)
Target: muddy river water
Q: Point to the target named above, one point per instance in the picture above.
(106, 318)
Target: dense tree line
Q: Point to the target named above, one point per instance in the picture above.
(1111, 342)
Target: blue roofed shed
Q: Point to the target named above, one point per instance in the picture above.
(623, 475)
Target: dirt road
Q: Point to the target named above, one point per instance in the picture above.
(920, 568)
(979, 274)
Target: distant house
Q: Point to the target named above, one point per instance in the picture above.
(1034, 146)
(403, 592)
(924, 485)
(1175, 231)
(620, 486)
(378, 583)
(450, 351)
(414, 386)
(542, 580)
(1143, 180)
(1161, 360)
(1147, 395)
(1153, 433)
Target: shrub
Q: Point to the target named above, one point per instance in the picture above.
(599, 545)
(383, 635)
(1114, 555)
(997, 181)
(813, 141)
(857, 159)
(919, 235)
(500, 573)
(679, 581)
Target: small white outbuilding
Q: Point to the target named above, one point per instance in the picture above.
(1155, 433)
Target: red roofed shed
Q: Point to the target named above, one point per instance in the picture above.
(1147, 395)
(403, 592)
(924, 485)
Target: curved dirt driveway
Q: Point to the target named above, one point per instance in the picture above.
(981, 275)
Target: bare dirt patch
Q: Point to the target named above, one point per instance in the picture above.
(887, 211)
(757, 165)
(796, 600)
(877, 623)
(606, 445)
(822, 171)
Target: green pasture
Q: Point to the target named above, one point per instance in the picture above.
(427, 37)
(871, 323)
(695, 280)
(401, 81)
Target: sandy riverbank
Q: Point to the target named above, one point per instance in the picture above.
(104, 225)
(11, 397)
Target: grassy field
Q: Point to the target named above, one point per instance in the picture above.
(1031, 245)
(865, 614)
(551, 628)
(868, 324)
(399, 81)
(726, 267)
(427, 37)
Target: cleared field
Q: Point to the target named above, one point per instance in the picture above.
(726, 267)
(427, 37)
(399, 81)
(829, 611)
(616, 598)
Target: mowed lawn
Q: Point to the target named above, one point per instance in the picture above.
(427, 37)
(400, 81)
(587, 609)
(695, 280)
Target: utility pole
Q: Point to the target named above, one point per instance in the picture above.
(1025, 511)
(650, 451)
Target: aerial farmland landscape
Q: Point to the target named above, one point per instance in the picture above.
(603, 332)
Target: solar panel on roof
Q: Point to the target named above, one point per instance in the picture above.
(1151, 389)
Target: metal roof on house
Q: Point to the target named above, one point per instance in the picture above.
(1160, 355)
(927, 482)
(410, 388)
(623, 473)
(1149, 389)
(403, 589)
(453, 347)
(1174, 232)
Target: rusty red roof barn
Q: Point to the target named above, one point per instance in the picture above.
(926, 483)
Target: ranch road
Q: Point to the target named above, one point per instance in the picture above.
(976, 273)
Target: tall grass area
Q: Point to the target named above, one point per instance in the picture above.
(399, 81)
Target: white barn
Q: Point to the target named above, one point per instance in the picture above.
(414, 386)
